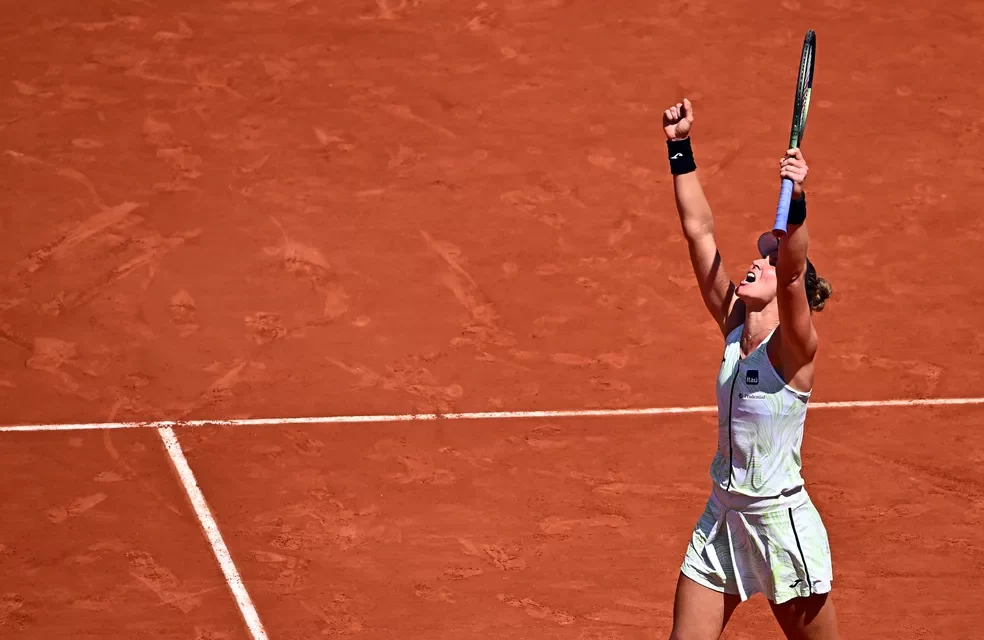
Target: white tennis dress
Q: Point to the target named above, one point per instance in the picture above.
(760, 532)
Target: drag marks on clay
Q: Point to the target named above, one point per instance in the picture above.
(405, 113)
(210, 633)
(58, 515)
(139, 571)
(456, 573)
(403, 160)
(15, 613)
(300, 259)
(544, 326)
(495, 555)
(649, 490)
(147, 574)
(79, 177)
(543, 438)
(627, 170)
(483, 327)
(648, 618)
(114, 236)
(477, 459)
(184, 313)
(544, 201)
(105, 222)
(432, 594)
(262, 6)
(484, 19)
(308, 262)
(612, 283)
(291, 571)
(106, 477)
(337, 303)
(622, 229)
(160, 580)
(229, 377)
(178, 155)
(126, 471)
(73, 97)
(184, 32)
(203, 79)
(319, 521)
(87, 143)
(536, 610)
(153, 249)
(336, 616)
(391, 9)
(81, 97)
(416, 468)
(54, 356)
(600, 295)
(421, 471)
(305, 444)
(31, 90)
(324, 519)
(265, 327)
(603, 383)
(554, 525)
(409, 376)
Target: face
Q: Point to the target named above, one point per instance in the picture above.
(759, 285)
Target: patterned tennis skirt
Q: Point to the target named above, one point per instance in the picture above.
(775, 547)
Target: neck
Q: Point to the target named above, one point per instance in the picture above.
(758, 324)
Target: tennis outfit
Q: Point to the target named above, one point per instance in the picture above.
(760, 532)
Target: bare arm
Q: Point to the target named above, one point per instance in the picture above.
(716, 288)
(799, 336)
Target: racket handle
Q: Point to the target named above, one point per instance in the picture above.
(782, 211)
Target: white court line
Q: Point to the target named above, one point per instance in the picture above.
(211, 529)
(487, 415)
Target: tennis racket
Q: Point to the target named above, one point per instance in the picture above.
(801, 106)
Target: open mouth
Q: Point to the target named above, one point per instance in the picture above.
(750, 277)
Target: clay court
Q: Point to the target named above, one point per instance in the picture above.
(263, 211)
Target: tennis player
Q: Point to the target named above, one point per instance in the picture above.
(759, 532)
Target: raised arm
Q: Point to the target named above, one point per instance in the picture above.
(716, 288)
(799, 337)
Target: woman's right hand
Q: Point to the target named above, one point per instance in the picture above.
(678, 119)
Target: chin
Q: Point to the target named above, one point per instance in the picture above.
(751, 295)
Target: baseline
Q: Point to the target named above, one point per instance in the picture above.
(484, 415)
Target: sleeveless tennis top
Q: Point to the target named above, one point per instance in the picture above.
(760, 425)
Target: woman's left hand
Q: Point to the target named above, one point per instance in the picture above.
(793, 166)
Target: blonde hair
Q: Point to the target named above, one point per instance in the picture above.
(817, 288)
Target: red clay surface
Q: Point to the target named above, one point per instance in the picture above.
(268, 208)
(98, 541)
(576, 529)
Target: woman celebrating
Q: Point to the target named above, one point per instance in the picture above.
(760, 532)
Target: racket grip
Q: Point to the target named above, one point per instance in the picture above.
(782, 211)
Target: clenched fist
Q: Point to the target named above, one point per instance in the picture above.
(678, 119)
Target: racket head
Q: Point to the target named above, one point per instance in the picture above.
(804, 89)
(801, 108)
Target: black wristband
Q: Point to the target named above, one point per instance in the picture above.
(797, 210)
(681, 156)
